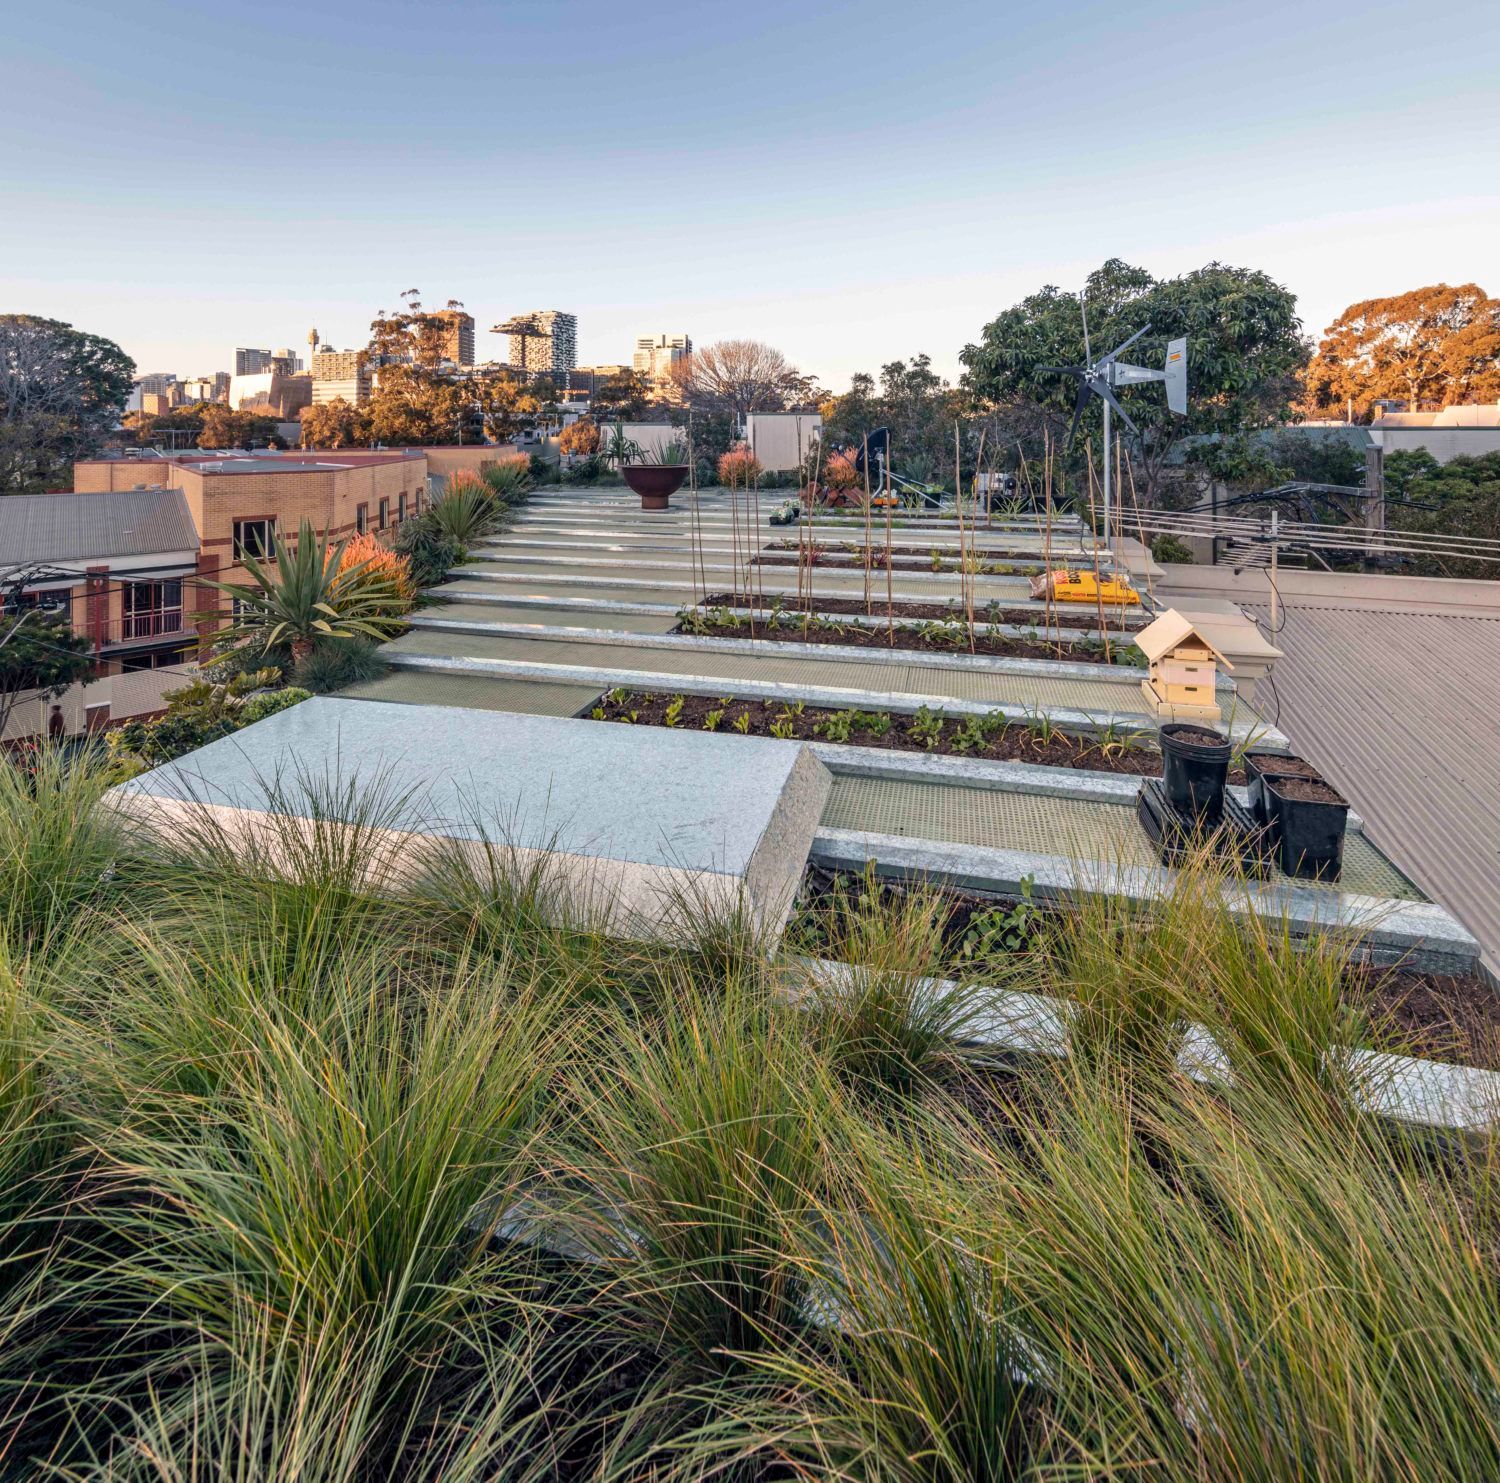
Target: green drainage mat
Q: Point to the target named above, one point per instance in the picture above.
(475, 693)
(494, 612)
(1036, 824)
(667, 591)
(1047, 692)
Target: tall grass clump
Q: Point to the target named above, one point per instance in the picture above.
(1217, 1290)
(700, 1142)
(58, 849)
(919, 1368)
(877, 1005)
(315, 1216)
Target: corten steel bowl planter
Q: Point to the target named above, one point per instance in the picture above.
(656, 483)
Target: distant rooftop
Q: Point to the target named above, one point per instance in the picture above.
(1484, 414)
(72, 528)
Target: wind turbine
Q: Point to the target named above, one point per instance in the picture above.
(1100, 378)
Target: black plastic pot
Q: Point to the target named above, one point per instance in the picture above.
(1310, 831)
(1194, 770)
(1258, 767)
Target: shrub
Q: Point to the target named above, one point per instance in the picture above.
(839, 471)
(335, 664)
(509, 479)
(587, 470)
(1168, 548)
(381, 564)
(579, 438)
(466, 513)
(739, 468)
(430, 554)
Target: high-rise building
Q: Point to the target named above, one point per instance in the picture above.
(340, 374)
(458, 336)
(249, 362)
(157, 383)
(542, 340)
(655, 355)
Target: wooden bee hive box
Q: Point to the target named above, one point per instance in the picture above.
(1184, 669)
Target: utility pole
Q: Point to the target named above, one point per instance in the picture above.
(1275, 594)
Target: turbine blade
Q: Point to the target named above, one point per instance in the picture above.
(1078, 406)
(1104, 389)
(1122, 348)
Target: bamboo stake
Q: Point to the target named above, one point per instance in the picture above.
(1047, 536)
(812, 502)
(695, 535)
(1098, 594)
(869, 538)
(965, 577)
(890, 602)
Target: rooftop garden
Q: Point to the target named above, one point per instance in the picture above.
(340, 1161)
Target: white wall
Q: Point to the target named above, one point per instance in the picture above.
(136, 692)
(781, 440)
(1443, 443)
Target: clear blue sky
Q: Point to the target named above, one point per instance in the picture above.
(851, 182)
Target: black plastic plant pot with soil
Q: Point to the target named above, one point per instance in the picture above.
(1195, 766)
(1259, 766)
(1309, 818)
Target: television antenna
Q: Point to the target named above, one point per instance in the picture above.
(1100, 378)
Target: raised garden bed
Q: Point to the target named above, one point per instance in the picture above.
(926, 731)
(937, 637)
(977, 566)
(1082, 615)
(1441, 1017)
(855, 551)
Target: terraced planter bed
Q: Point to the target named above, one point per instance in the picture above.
(856, 551)
(932, 638)
(1437, 1016)
(1072, 614)
(841, 562)
(926, 731)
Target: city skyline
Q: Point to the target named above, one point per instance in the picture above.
(885, 183)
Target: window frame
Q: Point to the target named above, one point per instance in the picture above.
(240, 527)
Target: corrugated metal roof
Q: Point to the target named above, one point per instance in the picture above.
(83, 527)
(1400, 710)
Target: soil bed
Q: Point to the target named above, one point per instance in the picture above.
(860, 637)
(1074, 615)
(883, 730)
(853, 551)
(843, 562)
(1307, 790)
(1438, 1016)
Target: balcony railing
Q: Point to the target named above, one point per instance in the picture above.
(153, 623)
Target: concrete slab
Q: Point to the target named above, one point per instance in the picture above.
(630, 827)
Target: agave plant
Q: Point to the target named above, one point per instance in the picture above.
(619, 450)
(466, 513)
(309, 596)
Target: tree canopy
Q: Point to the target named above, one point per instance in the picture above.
(739, 377)
(914, 402)
(1245, 353)
(39, 652)
(1465, 493)
(1430, 347)
(61, 391)
(208, 425)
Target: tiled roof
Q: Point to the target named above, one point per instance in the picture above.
(75, 528)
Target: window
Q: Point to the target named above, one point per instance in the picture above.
(385, 513)
(400, 508)
(254, 538)
(361, 518)
(151, 608)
